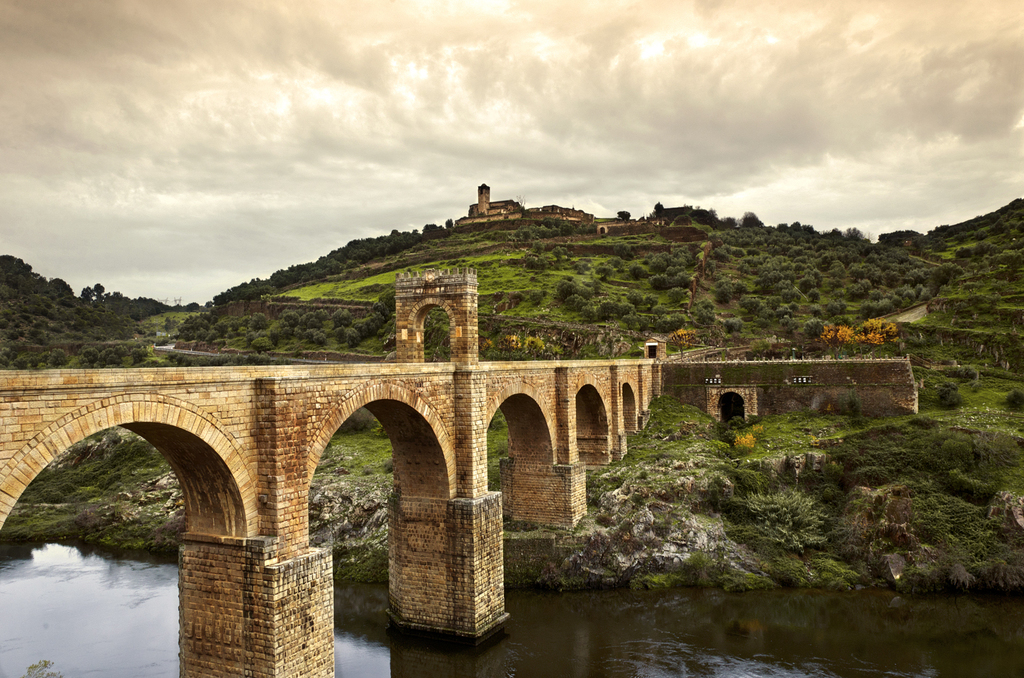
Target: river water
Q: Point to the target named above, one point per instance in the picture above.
(108, 614)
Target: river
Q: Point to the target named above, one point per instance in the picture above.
(97, 613)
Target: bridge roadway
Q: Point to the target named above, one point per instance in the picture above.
(255, 599)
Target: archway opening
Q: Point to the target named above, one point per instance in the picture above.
(429, 336)
(437, 343)
(140, 485)
(348, 498)
(497, 449)
(111, 487)
(519, 432)
(629, 418)
(730, 405)
(382, 450)
(591, 427)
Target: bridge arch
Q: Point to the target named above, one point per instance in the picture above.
(423, 453)
(591, 425)
(629, 412)
(219, 488)
(529, 426)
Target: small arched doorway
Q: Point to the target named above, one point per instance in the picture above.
(730, 405)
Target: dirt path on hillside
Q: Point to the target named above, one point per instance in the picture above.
(912, 314)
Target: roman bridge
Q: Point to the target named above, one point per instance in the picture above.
(254, 598)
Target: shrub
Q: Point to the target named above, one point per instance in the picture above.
(1015, 399)
(949, 394)
(789, 518)
(733, 325)
(851, 405)
(963, 372)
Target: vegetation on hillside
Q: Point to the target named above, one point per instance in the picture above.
(558, 290)
(44, 324)
(564, 291)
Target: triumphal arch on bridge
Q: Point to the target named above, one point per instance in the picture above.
(254, 598)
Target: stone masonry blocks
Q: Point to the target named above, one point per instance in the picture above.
(255, 599)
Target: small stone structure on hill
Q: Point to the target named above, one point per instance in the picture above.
(883, 387)
(485, 212)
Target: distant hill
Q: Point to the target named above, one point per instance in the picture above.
(44, 323)
(746, 287)
(551, 289)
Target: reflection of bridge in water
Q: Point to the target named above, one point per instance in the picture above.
(255, 599)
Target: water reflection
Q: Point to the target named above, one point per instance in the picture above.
(103, 614)
(696, 632)
(92, 613)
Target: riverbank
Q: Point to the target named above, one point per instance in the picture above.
(924, 503)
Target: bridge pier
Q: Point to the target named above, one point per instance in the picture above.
(244, 613)
(446, 569)
(548, 494)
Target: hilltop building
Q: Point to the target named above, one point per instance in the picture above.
(486, 212)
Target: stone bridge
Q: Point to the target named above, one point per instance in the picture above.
(255, 599)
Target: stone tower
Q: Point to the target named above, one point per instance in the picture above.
(483, 199)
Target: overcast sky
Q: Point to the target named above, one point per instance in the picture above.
(175, 148)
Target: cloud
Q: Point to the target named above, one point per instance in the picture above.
(178, 148)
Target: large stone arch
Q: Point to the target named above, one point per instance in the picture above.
(530, 433)
(424, 456)
(218, 486)
(592, 429)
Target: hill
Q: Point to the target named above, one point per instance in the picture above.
(45, 324)
(555, 289)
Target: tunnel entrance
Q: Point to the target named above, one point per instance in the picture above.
(730, 406)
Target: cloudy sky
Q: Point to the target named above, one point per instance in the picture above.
(176, 148)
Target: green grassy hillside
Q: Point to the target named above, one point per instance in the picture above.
(957, 291)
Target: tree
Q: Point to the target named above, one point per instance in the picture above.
(683, 338)
(658, 210)
(623, 215)
(40, 670)
(258, 321)
(750, 220)
(836, 336)
(704, 313)
(813, 328)
(876, 332)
